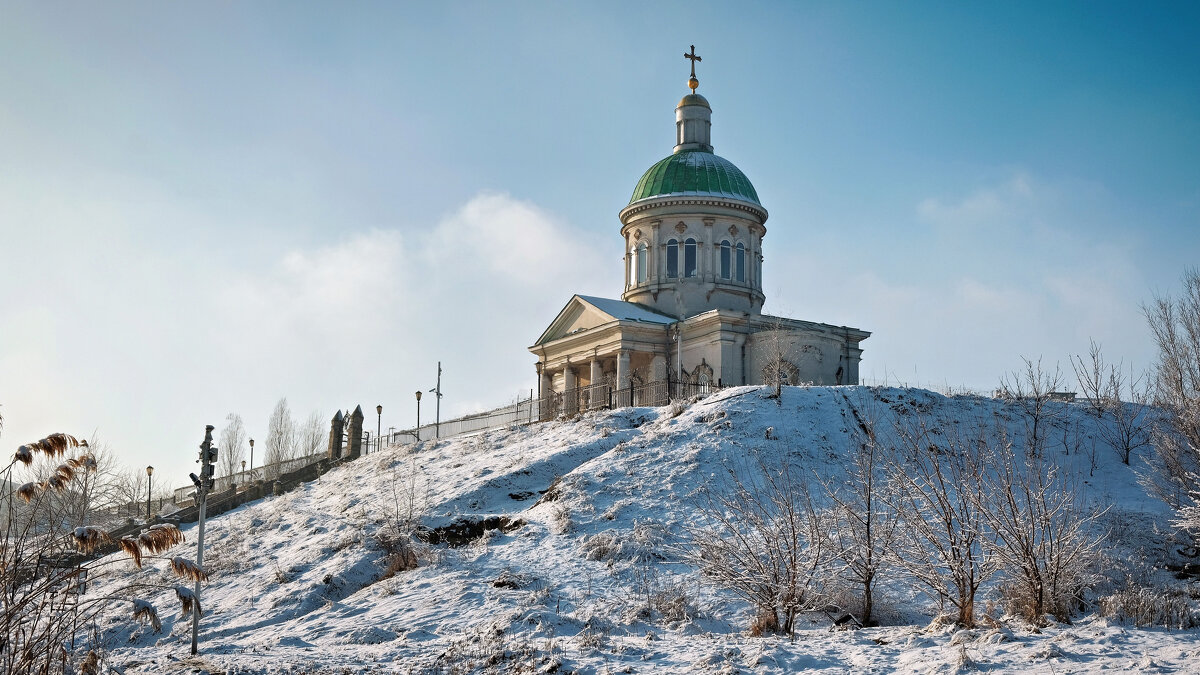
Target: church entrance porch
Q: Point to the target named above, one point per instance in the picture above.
(604, 396)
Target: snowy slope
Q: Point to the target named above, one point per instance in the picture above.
(584, 575)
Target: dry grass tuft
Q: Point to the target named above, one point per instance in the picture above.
(91, 663)
(144, 611)
(88, 538)
(187, 569)
(28, 491)
(54, 445)
(65, 471)
(187, 599)
(130, 546)
(159, 538)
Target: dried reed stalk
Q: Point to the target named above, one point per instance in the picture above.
(159, 538)
(88, 538)
(187, 569)
(144, 611)
(28, 491)
(186, 600)
(130, 546)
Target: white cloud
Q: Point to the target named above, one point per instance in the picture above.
(149, 343)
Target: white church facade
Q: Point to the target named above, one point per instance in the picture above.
(690, 314)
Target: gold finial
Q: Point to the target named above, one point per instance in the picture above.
(692, 81)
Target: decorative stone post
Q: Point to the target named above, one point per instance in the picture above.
(335, 436)
(354, 434)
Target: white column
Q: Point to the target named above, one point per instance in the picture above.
(570, 396)
(623, 369)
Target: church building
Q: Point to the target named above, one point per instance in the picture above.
(690, 315)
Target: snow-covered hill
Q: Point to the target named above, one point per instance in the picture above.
(565, 558)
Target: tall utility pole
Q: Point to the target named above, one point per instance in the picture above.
(204, 483)
(437, 419)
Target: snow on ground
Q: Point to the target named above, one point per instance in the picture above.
(584, 574)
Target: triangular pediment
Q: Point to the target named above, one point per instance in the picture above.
(583, 313)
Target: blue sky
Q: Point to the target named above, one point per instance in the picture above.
(205, 207)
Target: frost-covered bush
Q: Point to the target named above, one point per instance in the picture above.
(1143, 606)
(560, 519)
(643, 543)
(759, 535)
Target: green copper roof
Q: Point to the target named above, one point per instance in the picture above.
(695, 173)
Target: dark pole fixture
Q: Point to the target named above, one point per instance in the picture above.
(378, 428)
(243, 473)
(149, 485)
(251, 459)
(437, 419)
(418, 417)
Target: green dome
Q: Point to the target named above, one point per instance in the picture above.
(695, 173)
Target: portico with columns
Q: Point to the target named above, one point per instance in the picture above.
(691, 310)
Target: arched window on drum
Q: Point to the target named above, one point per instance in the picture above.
(672, 259)
(741, 262)
(726, 259)
(641, 263)
(689, 258)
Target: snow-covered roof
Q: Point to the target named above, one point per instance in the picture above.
(626, 311)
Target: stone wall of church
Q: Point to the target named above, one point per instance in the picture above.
(800, 358)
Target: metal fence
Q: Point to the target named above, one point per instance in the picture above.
(524, 411)
(570, 402)
(265, 472)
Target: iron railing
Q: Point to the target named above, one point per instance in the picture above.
(265, 472)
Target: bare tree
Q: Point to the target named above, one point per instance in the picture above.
(232, 445)
(1031, 390)
(1175, 471)
(281, 434)
(936, 492)
(760, 536)
(313, 435)
(1118, 400)
(1041, 540)
(863, 525)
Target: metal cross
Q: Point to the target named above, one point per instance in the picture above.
(693, 58)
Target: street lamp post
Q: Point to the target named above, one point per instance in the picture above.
(243, 479)
(149, 489)
(378, 428)
(418, 416)
(251, 459)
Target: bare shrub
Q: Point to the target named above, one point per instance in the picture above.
(1144, 607)
(1039, 537)
(863, 526)
(644, 543)
(936, 493)
(760, 536)
(660, 597)
(560, 519)
(1174, 474)
(398, 538)
(1031, 391)
(1119, 401)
